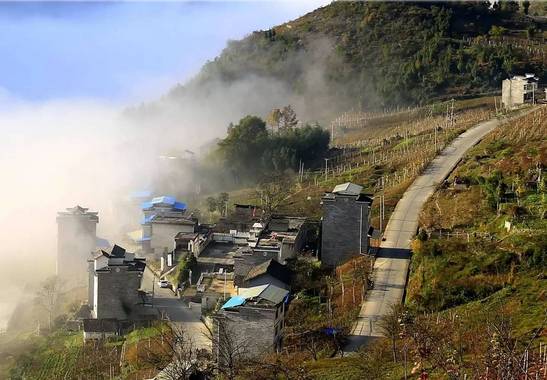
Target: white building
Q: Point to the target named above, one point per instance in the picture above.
(519, 90)
(164, 218)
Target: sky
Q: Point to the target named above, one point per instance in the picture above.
(121, 51)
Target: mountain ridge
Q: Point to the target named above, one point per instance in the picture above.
(377, 55)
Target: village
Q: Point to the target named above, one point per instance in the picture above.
(264, 190)
(228, 285)
(238, 282)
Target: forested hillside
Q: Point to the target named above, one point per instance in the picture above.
(366, 55)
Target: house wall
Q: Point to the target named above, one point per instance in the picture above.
(116, 294)
(512, 92)
(344, 229)
(90, 282)
(93, 335)
(76, 241)
(515, 92)
(254, 331)
(163, 235)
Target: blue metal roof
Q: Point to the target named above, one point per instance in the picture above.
(234, 301)
(179, 206)
(146, 205)
(148, 219)
(164, 199)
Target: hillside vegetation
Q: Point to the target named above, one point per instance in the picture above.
(477, 295)
(481, 238)
(364, 55)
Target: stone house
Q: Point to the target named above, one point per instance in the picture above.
(76, 242)
(96, 329)
(269, 272)
(250, 324)
(245, 259)
(285, 236)
(241, 218)
(345, 225)
(114, 281)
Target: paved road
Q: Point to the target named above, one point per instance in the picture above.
(392, 263)
(180, 314)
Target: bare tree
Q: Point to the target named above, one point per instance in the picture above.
(174, 353)
(271, 195)
(506, 355)
(230, 351)
(287, 120)
(390, 325)
(47, 297)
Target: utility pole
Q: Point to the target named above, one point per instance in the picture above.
(452, 115)
(153, 286)
(383, 206)
(224, 285)
(381, 211)
(436, 151)
(380, 214)
(326, 168)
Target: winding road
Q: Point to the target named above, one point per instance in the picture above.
(392, 263)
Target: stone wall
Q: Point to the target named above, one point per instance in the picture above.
(341, 237)
(117, 292)
(76, 241)
(250, 331)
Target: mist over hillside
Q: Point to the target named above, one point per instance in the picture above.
(364, 56)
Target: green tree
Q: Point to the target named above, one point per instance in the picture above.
(288, 118)
(245, 143)
(211, 204)
(222, 203)
(525, 6)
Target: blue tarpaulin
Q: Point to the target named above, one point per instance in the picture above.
(234, 301)
(331, 331)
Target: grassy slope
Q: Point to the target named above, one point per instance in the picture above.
(482, 275)
(304, 198)
(496, 267)
(64, 355)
